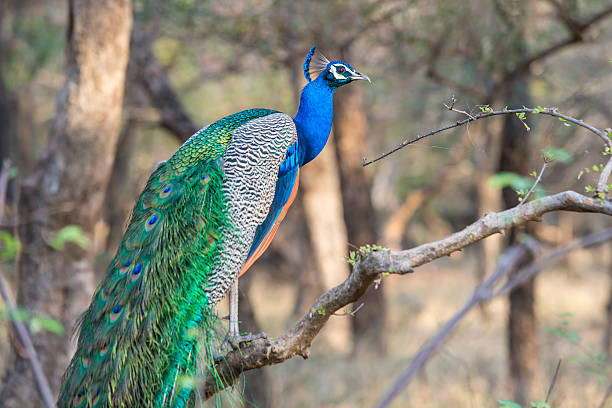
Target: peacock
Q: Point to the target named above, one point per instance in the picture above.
(203, 218)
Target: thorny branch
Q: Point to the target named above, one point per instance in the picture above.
(297, 340)
(488, 112)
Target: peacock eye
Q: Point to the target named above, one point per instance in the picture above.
(340, 69)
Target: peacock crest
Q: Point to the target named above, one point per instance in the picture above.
(314, 63)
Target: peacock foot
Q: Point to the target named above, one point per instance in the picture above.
(236, 341)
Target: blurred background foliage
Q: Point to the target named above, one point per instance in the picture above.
(220, 57)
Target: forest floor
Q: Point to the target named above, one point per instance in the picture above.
(471, 369)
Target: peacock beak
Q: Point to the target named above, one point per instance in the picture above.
(359, 75)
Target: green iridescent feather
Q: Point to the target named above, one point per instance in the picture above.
(150, 316)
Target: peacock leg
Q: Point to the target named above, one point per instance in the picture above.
(233, 336)
(233, 309)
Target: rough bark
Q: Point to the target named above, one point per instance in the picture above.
(522, 326)
(68, 185)
(350, 136)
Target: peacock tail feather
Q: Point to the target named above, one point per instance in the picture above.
(153, 311)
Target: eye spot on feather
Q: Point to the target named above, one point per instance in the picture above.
(166, 191)
(204, 178)
(85, 361)
(104, 294)
(116, 312)
(151, 221)
(136, 272)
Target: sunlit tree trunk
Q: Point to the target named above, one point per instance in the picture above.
(68, 185)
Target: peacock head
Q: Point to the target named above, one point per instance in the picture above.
(334, 73)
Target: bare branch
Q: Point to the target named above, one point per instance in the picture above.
(524, 200)
(297, 340)
(553, 381)
(601, 185)
(451, 107)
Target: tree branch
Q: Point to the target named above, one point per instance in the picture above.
(488, 112)
(297, 340)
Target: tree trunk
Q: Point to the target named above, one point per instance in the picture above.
(607, 338)
(522, 326)
(68, 185)
(350, 135)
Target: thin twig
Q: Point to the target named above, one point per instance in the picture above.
(351, 313)
(553, 381)
(22, 332)
(524, 200)
(4, 177)
(488, 114)
(602, 183)
(451, 107)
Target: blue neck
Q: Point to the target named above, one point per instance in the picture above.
(314, 119)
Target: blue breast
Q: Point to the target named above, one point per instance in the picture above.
(313, 120)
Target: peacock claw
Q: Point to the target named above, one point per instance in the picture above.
(236, 341)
